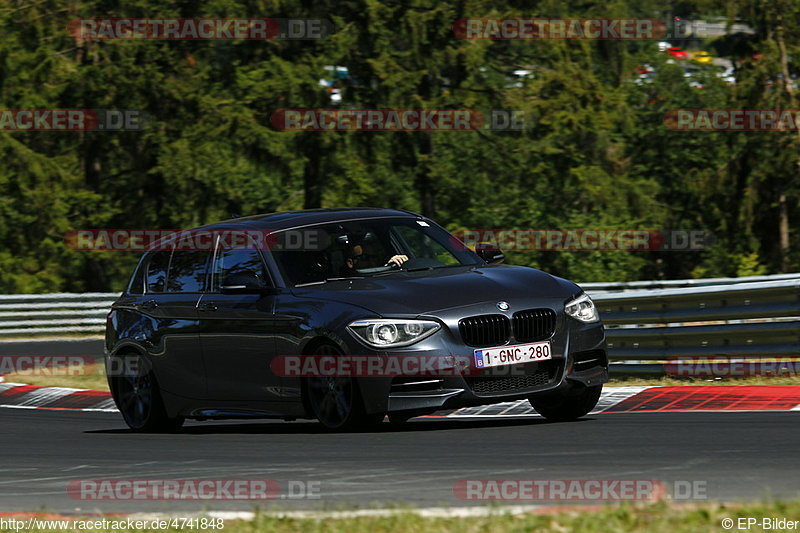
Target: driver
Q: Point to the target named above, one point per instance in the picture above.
(355, 254)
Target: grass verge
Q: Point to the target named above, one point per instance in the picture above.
(654, 518)
(90, 376)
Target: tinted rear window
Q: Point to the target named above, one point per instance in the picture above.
(157, 264)
(230, 262)
(187, 272)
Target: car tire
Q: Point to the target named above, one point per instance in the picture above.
(138, 397)
(569, 404)
(336, 401)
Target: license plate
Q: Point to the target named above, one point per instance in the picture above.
(512, 355)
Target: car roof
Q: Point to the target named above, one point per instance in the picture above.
(291, 219)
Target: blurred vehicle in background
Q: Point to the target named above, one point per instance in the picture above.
(517, 78)
(702, 57)
(335, 77)
(644, 74)
(727, 74)
(677, 52)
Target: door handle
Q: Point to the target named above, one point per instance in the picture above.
(209, 306)
(149, 304)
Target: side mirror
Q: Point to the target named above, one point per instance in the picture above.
(243, 281)
(490, 253)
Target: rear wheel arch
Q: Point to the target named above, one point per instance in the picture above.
(121, 352)
(134, 387)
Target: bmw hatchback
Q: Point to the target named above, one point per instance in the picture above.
(345, 316)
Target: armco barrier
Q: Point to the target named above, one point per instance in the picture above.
(597, 287)
(755, 319)
(25, 315)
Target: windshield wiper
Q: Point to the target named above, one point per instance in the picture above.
(418, 269)
(326, 280)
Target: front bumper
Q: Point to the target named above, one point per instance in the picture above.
(579, 357)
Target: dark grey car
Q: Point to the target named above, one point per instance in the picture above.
(219, 330)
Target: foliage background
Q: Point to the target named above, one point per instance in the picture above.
(599, 155)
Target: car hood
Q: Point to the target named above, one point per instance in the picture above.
(426, 292)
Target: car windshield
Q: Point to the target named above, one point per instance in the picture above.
(361, 248)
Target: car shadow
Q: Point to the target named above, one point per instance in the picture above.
(311, 427)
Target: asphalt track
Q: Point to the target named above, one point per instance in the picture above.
(744, 455)
(76, 346)
(733, 455)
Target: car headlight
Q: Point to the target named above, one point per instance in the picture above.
(582, 308)
(392, 332)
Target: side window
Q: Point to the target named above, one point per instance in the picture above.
(237, 262)
(187, 272)
(156, 273)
